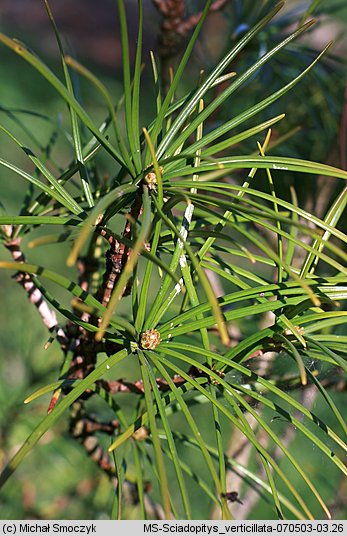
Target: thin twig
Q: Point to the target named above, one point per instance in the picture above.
(174, 29)
(35, 296)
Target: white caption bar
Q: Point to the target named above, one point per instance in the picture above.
(139, 528)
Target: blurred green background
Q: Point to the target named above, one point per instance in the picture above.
(57, 480)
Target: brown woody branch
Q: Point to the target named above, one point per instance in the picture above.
(175, 25)
(35, 296)
(83, 428)
(136, 387)
(118, 253)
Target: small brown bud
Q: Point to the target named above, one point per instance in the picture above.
(150, 339)
(151, 178)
